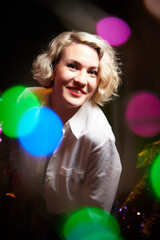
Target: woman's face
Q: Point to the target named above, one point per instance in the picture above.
(76, 76)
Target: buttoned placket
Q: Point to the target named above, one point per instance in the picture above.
(54, 155)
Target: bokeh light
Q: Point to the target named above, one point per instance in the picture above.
(12, 108)
(155, 176)
(153, 7)
(91, 223)
(143, 114)
(114, 30)
(40, 131)
(0, 132)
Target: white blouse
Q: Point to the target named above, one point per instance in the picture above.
(83, 171)
(86, 168)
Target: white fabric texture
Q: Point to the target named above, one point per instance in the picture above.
(84, 170)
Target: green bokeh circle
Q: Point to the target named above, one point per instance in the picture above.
(15, 101)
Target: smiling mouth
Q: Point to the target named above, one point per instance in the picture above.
(76, 91)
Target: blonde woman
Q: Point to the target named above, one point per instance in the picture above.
(78, 72)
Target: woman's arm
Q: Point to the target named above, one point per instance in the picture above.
(102, 176)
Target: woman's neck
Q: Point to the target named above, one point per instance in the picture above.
(62, 110)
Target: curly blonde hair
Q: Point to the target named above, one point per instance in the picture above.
(45, 64)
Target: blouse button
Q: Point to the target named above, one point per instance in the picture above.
(48, 179)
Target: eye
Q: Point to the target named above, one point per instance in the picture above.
(93, 72)
(72, 65)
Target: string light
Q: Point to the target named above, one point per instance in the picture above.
(136, 215)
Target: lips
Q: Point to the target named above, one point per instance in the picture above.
(77, 91)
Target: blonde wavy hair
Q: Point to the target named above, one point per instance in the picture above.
(45, 64)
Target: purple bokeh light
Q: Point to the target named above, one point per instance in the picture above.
(114, 30)
(143, 114)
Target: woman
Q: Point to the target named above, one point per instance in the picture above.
(78, 72)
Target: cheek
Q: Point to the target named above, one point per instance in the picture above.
(66, 77)
(93, 84)
(61, 78)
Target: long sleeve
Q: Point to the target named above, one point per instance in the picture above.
(102, 176)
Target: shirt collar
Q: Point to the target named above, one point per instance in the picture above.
(79, 118)
(76, 123)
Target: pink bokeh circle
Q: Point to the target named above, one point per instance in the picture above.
(114, 30)
(143, 114)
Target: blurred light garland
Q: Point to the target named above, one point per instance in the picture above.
(141, 210)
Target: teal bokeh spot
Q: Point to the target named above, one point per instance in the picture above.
(40, 131)
(91, 223)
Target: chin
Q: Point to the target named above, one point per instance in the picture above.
(74, 104)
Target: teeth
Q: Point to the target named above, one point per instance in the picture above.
(76, 91)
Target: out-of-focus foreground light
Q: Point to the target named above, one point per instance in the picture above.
(155, 176)
(40, 131)
(143, 114)
(91, 224)
(153, 7)
(11, 108)
(114, 30)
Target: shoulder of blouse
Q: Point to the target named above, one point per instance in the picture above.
(98, 127)
(91, 122)
(41, 93)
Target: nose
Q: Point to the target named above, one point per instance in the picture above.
(81, 78)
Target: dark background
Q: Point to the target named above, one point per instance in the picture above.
(27, 27)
